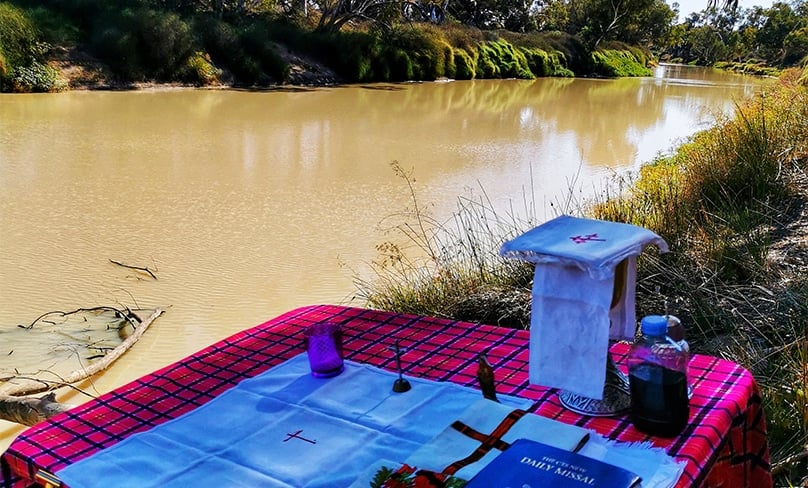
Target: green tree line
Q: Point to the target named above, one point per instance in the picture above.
(235, 42)
(776, 36)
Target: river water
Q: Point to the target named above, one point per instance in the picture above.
(246, 204)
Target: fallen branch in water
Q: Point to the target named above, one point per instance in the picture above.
(142, 269)
(16, 404)
(126, 314)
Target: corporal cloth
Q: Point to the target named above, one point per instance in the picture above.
(283, 428)
(583, 294)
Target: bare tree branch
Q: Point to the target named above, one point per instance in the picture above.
(142, 269)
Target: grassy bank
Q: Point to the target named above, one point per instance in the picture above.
(733, 205)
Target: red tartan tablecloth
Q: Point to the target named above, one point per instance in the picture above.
(724, 444)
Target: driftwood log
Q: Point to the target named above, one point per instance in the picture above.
(17, 403)
(28, 410)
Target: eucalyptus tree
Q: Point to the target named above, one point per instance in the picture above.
(334, 14)
(639, 22)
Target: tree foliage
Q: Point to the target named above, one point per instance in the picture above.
(638, 22)
(771, 35)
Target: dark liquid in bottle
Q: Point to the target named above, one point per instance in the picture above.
(659, 403)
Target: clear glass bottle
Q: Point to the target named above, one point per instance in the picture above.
(657, 373)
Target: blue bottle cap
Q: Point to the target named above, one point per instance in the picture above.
(654, 325)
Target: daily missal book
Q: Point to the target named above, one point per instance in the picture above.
(531, 464)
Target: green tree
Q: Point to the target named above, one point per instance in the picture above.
(780, 20)
(649, 28)
(518, 15)
(553, 16)
(706, 44)
(639, 22)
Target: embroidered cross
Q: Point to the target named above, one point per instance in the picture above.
(297, 435)
(586, 238)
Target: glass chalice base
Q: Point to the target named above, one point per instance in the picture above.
(616, 396)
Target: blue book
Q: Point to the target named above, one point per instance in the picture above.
(531, 464)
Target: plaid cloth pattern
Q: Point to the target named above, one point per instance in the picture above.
(724, 443)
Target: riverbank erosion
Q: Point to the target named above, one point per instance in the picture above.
(732, 203)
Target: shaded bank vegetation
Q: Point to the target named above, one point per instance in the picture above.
(242, 42)
(139, 41)
(733, 205)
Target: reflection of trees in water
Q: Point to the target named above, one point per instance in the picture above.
(606, 117)
(284, 133)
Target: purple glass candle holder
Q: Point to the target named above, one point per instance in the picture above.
(324, 348)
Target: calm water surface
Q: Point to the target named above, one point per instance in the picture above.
(249, 204)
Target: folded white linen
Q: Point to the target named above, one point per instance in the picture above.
(283, 428)
(582, 296)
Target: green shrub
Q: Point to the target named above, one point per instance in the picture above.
(351, 54)
(499, 59)
(450, 65)
(619, 63)
(164, 43)
(543, 63)
(257, 42)
(140, 44)
(246, 51)
(116, 45)
(36, 77)
(465, 67)
(538, 61)
(218, 38)
(224, 43)
(400, 67)
(486, 63)
(21, 52)
(571, 54)
(199, 70)
(429, 56)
